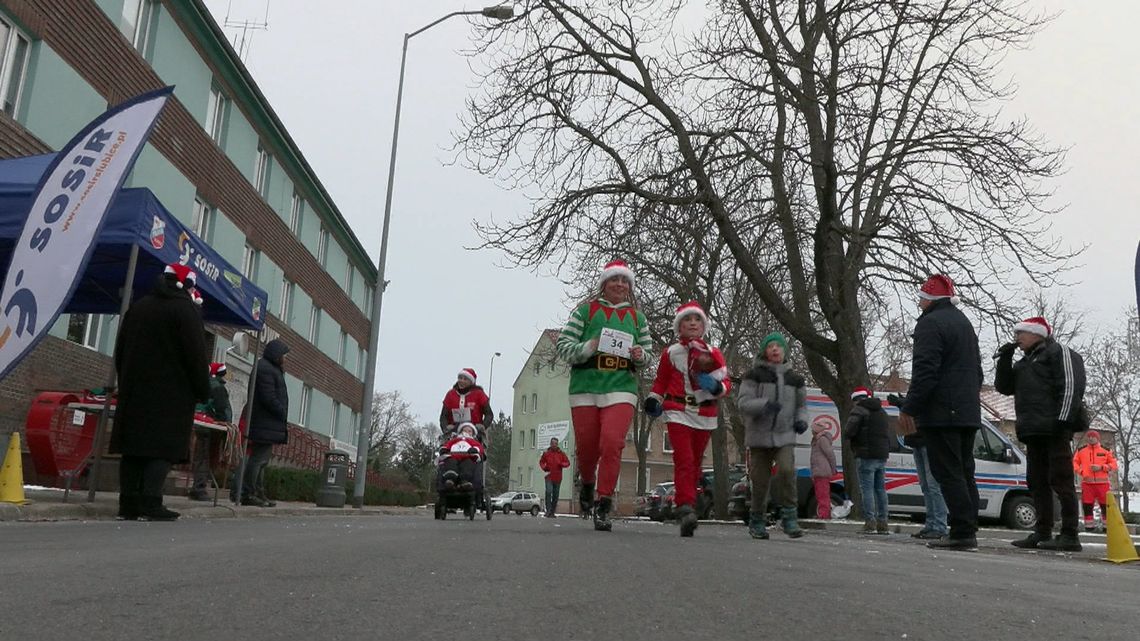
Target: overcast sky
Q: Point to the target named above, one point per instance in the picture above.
(330, 72)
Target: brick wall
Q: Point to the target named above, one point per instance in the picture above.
(56, 364)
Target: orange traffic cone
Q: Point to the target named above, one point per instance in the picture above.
(1120, 546)
(12, 474)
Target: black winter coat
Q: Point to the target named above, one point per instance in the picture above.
(946, 370)
(269, 418)
(1047, 385)
(866, 429)
(218, 407)
(163, 370)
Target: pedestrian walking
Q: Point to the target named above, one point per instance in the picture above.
(866, 431)
(1047, 384)
(465, 402)
(218, 408)
(773, 400)
(1093, 464)
(823, 469)
(552, 462)
(605, 341)
(691, 380)
(161, 362)
(268, 422)
(944, 404)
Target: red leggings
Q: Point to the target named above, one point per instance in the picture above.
(688, 449)
(599, 436)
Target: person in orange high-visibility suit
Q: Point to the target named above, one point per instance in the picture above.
(1093, 463)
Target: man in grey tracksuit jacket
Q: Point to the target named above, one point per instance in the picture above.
(773, 402)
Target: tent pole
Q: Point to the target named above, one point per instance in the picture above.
(109, 388)
(248, 411)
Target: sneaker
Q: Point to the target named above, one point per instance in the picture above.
(928, 535)
(947, 543)
(882, 527)
(869, 526)
(756, 528)
(1061, 543)
(687, 518)
(253, 501)
(1032, 541)
(602, 522)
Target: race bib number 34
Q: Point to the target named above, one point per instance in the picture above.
(615, 341)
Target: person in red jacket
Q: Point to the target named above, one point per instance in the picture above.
(460, 454)
(1093, 463)
(691, 378)
(553, 461)
(465, 402)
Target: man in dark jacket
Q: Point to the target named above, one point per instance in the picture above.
(161, 362)
(268, 421)
(866, 430)
(1047, 385)
(944, 401)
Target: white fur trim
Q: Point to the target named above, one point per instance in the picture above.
(1032, 328)
(610, 272)
(689, 312)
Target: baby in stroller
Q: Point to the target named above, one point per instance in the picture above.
(458, 458)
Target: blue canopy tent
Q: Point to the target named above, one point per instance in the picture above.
(138, 239)
(136, 219)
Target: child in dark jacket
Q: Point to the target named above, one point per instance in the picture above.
(866, 430)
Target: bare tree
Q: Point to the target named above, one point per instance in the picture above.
(1113, 369)
(391, 417)
(843, 151)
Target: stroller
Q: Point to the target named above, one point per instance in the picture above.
(468, 501)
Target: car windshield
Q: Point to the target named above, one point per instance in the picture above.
(505, 495)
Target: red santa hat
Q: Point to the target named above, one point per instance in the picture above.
(467, 426)
(1036, 325)
(937, 287)
(196, 296)
(860, 392)
(615, 268)
(689, 309)
(217, 369)
(467, 373)
(183, 275)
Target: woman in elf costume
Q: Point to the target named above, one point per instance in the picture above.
(691, 379)
(604, 341)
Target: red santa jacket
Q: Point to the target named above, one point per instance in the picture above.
(676, 384)
(552, 462)
(463, 447)
(471, 406)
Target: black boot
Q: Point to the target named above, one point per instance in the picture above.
(586, 498)
(129, 508)
(153, 510)
(602, 522)
(687, 518)
(1061, 543)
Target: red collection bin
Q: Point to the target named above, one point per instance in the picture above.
(59, 438)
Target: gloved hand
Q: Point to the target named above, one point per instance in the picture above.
(1007, 349)
(895, 400)
(652, 407)
(800, 427)
(709, 384)
(773, 407)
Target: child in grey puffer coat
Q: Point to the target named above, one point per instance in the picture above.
(773, 402)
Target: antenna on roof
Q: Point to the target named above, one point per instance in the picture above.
(243, 43)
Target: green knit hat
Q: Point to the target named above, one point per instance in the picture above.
(774, 337)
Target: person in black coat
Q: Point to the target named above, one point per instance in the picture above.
(944, 404)
(866, 430)
(161, 362)
(1047, 385)
(268, 421)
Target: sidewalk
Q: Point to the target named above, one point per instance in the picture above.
(47, 504)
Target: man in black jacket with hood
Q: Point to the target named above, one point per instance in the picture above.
(268, 421)
(944, 400)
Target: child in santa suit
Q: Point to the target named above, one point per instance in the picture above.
(691, 377)
(460, 454)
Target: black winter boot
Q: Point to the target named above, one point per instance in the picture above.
(602, 522)
(153, 510)
(129, 507)
(687, 518)
(586, 498)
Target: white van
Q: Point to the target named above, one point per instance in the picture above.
(999, 469)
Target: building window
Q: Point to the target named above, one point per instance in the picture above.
(249, 260)
(138, 23)
(335, 420)
(666, 446)
(522, 439)
(533, 442)
(314, 325)
(534, 402)
(349, 277)
(362, 364)
(216, 115)
(367, 302)
(84, 329)
(286, 310)
(519, 482)
(14, 47)
(261, 172)
(296, 212)
(537, 368)
(524, 403)
(306, 400)
(342, 353)
(203, 219)
(323, 247)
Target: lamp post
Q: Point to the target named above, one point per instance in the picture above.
(491, 376)
(500, 12)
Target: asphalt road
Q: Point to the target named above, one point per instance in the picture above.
(524, 578)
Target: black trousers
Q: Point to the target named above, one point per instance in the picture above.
(253, 484)
(1050, 470)
(464, 468)
(951, 453)
(142, 476)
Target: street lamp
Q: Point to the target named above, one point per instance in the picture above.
(499, 12)
(491, 376)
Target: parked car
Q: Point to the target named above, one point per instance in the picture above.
(518, 502)
(649, 504)
(707, 485)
